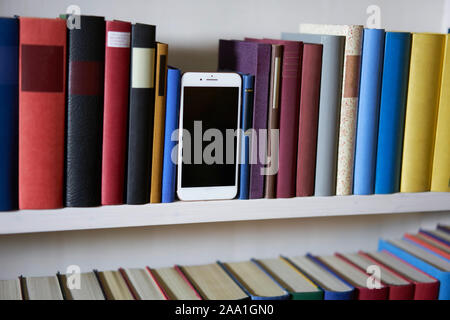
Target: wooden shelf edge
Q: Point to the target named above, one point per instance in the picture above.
(106, 217)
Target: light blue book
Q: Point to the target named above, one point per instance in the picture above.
(423, 260)
(172, 111)
(394, 89)
(368, 111)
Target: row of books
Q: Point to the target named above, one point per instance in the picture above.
(87, 114)
(416, 267)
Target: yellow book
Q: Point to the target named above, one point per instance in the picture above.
(160, 114)
(421, 111)
(440, 179)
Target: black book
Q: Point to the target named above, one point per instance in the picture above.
(84, 112)
(141, 111)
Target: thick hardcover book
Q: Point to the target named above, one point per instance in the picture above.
(117, 77)
(440, 176)
(433, 247)
(333, 288)
(85, 80)
(252, 58)
(174, 283)
(142, 108)
(349, 102)
(9, 112)
(329, 108)
(421, 111)
(171, 125)
(142, 284)
(399, 288)
(438, 235)
(425, 287)
(248, 82)
(41, 112)
(392, 112)
(159, 117)
(309, 116)
(368, 111)
(423, 260)
(254, 280)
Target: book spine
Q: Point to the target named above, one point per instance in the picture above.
(308, 121)
(421, 111)
(171, 125)
(440, 178)
(247, 111)
(289, 113)
(117, 76)
(159, 117)
(392, 112)
(368, 111)
(41, 112)
(9, 112)
(83, 158)
(141, 111)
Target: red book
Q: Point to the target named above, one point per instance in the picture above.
(309, 116)
(425, 287)
(289, 112)
(115, 114)
(428, 243)
(42, 74)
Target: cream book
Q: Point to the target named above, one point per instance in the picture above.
(41, 288)
(10, 290)
(425, 71)
(213, 283)
(114, 286)
(87, 289)
(175, 284)
(255, 282)
(142, 284)
(349, 103)
(440, 178)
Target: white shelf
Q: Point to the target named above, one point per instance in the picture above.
(30, 221)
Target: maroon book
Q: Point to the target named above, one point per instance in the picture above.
(117, 83)
(309, 116)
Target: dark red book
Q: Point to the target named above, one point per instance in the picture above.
(289, 112)
(42, 73)
(309, 116)
(117, 80)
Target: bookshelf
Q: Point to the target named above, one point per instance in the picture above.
(123, 216)
(42, 242)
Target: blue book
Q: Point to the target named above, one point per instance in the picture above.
(9, 112)
(333, 287)
(392, 112)
(172, 112)
(246, 123)
(423, 260)
(257, 271)
(368, 110)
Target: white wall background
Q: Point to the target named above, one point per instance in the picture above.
(192, 29)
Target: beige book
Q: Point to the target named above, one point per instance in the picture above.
(175, 286)
(254, 279)
(213, 283)
(89, 287)
(143, 285)
(42, 288)
(114, 286)
(10, 290)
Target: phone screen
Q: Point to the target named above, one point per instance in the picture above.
(207, 114)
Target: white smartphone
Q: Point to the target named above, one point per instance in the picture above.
(209, 136)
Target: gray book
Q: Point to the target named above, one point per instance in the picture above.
(329, 108)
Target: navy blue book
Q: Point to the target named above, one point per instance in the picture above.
(9, 112)
(246, 116)
(368, 109)
(172, 112)
(392, 112)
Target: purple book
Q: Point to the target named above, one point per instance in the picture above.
(252, 58)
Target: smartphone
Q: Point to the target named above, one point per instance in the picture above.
(209, 136)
